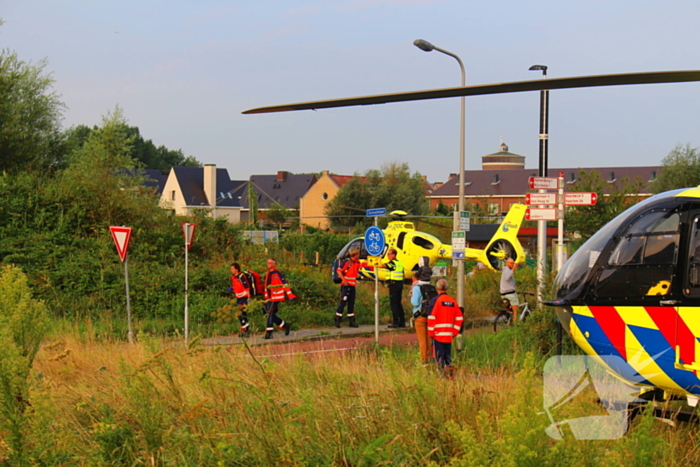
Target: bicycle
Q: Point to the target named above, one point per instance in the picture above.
(504, 317)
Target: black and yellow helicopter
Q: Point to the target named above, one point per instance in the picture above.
(632, 290)
(411, 245)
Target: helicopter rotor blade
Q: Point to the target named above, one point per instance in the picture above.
(497, 88)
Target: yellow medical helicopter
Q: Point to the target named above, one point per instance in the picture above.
(411, 245)
(632, 291)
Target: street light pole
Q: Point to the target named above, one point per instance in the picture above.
(544, 146)
(428, 47)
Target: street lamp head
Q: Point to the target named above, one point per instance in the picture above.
(543, 68)
(424, 45)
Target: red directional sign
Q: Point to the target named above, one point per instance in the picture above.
(543, 183)
(580, 199)
(535, 199)
(541, 214)
(121, 236)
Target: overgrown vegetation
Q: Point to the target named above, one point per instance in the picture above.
(158, 403)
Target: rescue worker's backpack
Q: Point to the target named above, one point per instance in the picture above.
(255, 283)
(428, 292)
(337, 264)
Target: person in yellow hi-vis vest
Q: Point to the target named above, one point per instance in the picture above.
(395, 280)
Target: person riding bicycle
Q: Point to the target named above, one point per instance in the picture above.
(508, 289)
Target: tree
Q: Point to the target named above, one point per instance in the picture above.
(142, 151)
(392, 187)
(680, 169)
(30, 112)
(101, 177)
(612, 200)
(252, 204)
(278, 214)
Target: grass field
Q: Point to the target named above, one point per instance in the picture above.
(160, 403)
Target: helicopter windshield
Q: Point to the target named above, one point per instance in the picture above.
(356, 243)
(572, 277)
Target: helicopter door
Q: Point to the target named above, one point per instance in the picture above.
(689, 314)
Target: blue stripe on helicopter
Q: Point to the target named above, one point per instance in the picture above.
(603, 346)
(654, 343)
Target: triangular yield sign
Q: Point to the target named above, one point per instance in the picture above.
(188, 230)
(121, 236)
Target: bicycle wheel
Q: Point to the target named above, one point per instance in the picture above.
(525, 314)
(502, 320)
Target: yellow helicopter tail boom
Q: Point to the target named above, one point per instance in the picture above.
(504, 243)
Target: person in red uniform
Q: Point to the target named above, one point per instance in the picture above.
(348, 272)
(276, 290)
(444, 323)
(241, 289)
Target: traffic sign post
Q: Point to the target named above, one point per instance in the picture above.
(541, 214)
(374, 244)
(121, 236)
(580, 199)
(459, 244)
(543, 183)
(464, 221)
(375, 212)
(374, 241)
(539, 199)
(188, 231)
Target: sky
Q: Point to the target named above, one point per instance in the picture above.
(183, 72)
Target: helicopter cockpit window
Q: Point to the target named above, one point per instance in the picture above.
(423, 242)
(356, 243)
(642, 264)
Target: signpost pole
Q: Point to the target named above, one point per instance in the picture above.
(186, 286)
(121, 236)
(376, 297)
(375, 243)
(130, 334)
(188, 230)
(560, 229)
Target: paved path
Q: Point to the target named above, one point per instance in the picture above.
(363, 334)
(309, 335)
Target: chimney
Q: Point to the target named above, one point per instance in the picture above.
(452, 176)
(209, 185)
(324, 172)
(282, 175)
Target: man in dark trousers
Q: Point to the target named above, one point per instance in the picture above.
(276, 290)
(444, 323)
(348, 272)
(395, 278)
(241, 289)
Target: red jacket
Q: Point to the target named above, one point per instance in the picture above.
(350, 270)
(240, 286)
(445, 319)
(276, 287)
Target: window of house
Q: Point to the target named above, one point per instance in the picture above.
(172, 195)
(324, 196)
(492, 208)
